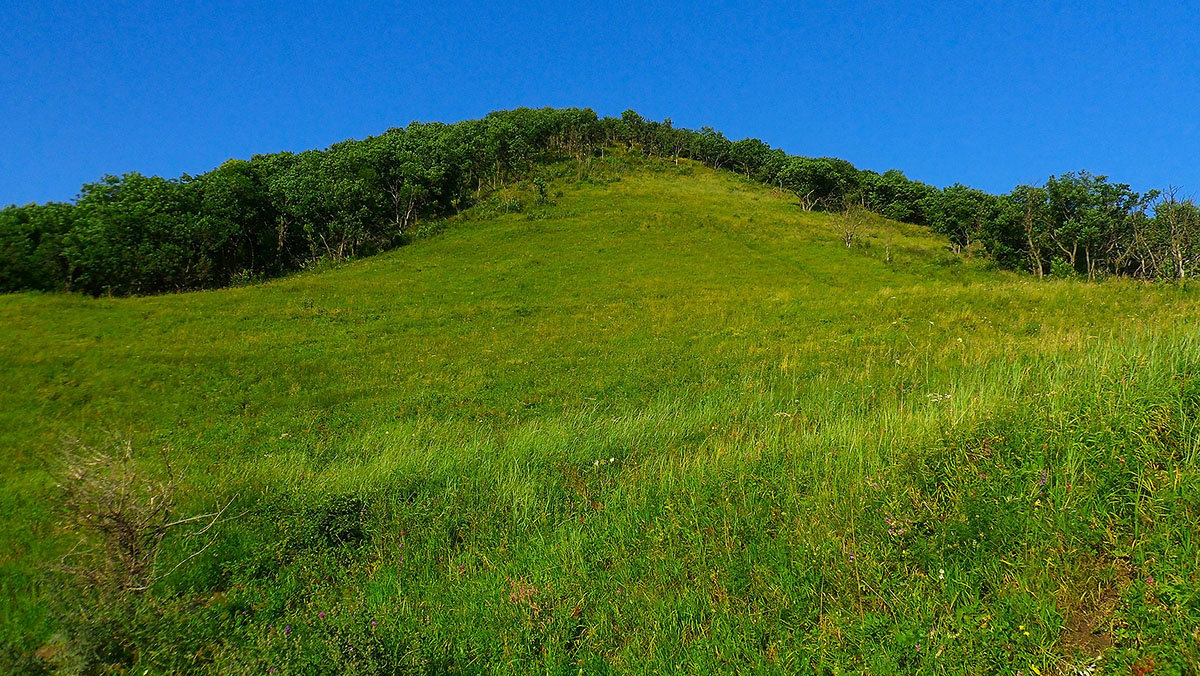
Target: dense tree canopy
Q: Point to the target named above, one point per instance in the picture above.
(274, 213)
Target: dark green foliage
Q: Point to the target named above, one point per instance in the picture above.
(749, 155)
(31, 244)
(822, 182)
(341, 521)
(894, 196)
(960, 213)
(1168, 245)
(139, 234)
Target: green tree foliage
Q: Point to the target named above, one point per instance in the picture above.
(895, 196)
(1168, 245)
(748, 155)
(821, 182)
(960, 213)
(711, 147)
(139, 234)
(31, 245)
(275, 213)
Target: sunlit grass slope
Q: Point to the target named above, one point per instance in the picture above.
(668, 423)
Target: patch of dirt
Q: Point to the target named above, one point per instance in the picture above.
(53, 652)
(1088, 601)
(1144, 666)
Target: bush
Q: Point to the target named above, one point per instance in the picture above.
(119, 517)
(1061, 269)
(340, 521)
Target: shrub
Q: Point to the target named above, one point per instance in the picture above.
(119, 516)
(1062, 269)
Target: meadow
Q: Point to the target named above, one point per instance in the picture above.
(663, 422)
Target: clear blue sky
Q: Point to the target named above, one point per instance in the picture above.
(990, 97)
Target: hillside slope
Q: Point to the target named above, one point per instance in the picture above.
(668, 422)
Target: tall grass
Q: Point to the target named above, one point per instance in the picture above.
(668, 423)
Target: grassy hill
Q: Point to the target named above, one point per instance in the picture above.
(668, 422)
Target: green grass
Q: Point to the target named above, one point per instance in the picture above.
(666, 424)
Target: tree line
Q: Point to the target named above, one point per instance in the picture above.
(276, 213)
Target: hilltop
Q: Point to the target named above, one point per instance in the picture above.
(277, 213)
(648, 417)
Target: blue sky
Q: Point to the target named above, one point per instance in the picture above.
(990, 96)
